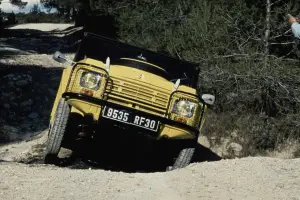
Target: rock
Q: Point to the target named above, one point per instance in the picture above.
(9, 76)
(15, 78)
(22, 83)
(64, 153)
(14, 104)
(29, 78)
(55, 79)
(7, 106)
(33, 115)
(231, 96)
(9, 133)
(46, 112)
(52, 92)
(2, 61)
(234, 134)
(26, 103)
(12, 116)
(203, 140)
(5, 95)
(220, 148)
(11, 61)
(19, 80)
(25, 125)
(235, 149)
(11, 84)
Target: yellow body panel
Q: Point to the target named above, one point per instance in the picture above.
(151, 91)
(84, 108)
(61, 89)
(175, 133)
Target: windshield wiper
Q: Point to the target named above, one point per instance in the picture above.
(186, 78)
(177, 79)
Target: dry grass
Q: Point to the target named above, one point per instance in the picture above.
(258, 135)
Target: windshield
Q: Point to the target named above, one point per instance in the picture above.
(99, 48)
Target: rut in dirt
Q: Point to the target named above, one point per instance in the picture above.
(124, 152)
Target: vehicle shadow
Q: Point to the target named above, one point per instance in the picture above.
(130, 155)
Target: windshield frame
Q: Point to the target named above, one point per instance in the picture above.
(99, 48)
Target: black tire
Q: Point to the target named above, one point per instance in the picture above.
(56, 132)
(184, 156)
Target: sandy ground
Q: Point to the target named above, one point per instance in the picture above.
(248, 178)
(42, 26)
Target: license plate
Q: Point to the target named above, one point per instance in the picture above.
(128, 117)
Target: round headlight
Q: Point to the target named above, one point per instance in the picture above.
(90, 80)
(184, 108)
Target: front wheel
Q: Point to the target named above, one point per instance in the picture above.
(184, 156)
(56, 132)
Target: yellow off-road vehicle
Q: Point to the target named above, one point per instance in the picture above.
(110, 82)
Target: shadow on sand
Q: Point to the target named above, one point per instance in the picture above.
(123, 151)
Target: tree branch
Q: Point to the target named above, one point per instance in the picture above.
(267, 32)
(275, 2)
(282, 43)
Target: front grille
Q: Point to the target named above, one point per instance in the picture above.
(138, 95)
(143, 97)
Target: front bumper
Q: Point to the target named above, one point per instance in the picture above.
(168, 128)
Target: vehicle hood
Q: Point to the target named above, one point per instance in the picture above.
(138, 76)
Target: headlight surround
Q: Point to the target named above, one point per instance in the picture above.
(90, 80)
(183, 107)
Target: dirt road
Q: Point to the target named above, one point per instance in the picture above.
(42, 26)
(248, 178)
(23, 120)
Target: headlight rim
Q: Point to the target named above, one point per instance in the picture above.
(99, 77)
(190, 101)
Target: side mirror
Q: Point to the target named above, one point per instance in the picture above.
(208, 99)
(59, 57)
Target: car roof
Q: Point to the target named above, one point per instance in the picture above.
(99, 47)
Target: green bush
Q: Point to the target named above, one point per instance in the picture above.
(41, 18)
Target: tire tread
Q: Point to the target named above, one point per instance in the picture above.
(184, 158)
(57, 130)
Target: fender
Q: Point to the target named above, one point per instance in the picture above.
(61, 89)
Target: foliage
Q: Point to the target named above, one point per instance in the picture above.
(41, 18)
(37, 16)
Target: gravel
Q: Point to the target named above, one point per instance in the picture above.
(43, 26)
(247, 178)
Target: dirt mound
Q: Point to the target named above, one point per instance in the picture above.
(247, 178)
